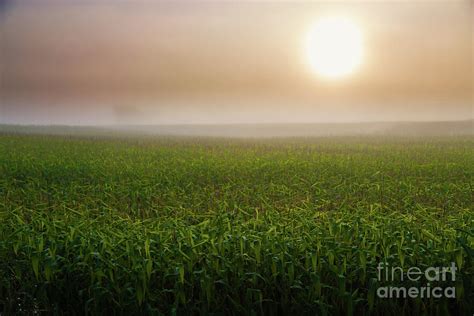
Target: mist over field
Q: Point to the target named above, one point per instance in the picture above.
(377, 129)
(190, 157)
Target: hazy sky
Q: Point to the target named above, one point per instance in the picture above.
(95, 62)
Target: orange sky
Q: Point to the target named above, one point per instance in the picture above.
(197, 62)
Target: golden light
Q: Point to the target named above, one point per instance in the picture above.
(334, 47)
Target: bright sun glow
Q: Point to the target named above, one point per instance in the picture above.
(334, 47)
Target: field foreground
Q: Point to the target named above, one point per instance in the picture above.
(232, 226)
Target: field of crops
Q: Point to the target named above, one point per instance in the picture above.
(231, 226)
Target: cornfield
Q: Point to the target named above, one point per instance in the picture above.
(181, 225)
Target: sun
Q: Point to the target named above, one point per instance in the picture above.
(334, 47)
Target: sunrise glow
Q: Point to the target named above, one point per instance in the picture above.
(334, 47)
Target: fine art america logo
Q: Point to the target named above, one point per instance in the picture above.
(426, 277)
